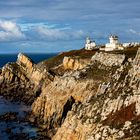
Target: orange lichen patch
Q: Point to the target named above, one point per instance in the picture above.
(121, 116)
(73, 137)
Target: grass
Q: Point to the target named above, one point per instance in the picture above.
(57, 60)
(82, 54)
(129, 52)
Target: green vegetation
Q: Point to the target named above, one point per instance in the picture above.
(57, 60)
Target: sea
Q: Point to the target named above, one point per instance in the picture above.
(16, 129)
(36, 57)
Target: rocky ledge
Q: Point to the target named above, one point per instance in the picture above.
(80, 98)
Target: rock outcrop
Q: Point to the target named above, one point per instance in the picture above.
(75, 63)
(26, 63)
(113, 113)
(23, 80)
(51, 107)
(109, 59)
(34, 73)
(91, 100)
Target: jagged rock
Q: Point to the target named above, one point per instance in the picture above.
(42, 77)
(74, 63)
(109, 59)
(26, 63)
(100, 100)
(49, 107)
(22, 80)
(112, 113)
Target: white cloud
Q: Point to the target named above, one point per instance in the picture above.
(134, 32)
(78, 34)
(10, 31)
(53, 34)
(30, 26)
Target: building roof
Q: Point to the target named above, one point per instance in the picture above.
(114, 36)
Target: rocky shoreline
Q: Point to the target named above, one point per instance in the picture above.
(78, 95)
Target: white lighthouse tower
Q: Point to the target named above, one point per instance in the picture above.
(113, 44)
(114, 39)
(90, 45)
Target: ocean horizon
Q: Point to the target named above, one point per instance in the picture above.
(36, 57)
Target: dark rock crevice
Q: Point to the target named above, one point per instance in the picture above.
(67, 108)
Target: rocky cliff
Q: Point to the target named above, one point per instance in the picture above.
(96, 102)
(22, 80)
(113, 112)
(77, 99)
(51, 107)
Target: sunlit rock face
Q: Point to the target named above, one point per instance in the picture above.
(113, 113)
(74, 63)
(22, 80)
(57, 98)
(98, 100)
(15, 80)
(136, 65)
(109, 59)
(35, 74)
(26, 63)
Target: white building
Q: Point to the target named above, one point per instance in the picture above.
(90, 45)
(113, 44)
(132, 44)
(126, 45)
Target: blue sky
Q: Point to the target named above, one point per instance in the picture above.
(59, 25)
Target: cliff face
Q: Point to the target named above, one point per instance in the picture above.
(73, 90)
(113, 113)
(57, 98)
(89, 100)
(22, 80)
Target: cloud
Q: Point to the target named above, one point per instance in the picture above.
(68, 10)
(10, 31)
(39, 31)
(55, 34)
(132, 31)
(46, 21)
(51, 34)
(30, 25)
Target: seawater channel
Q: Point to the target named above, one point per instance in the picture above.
(13, 125)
